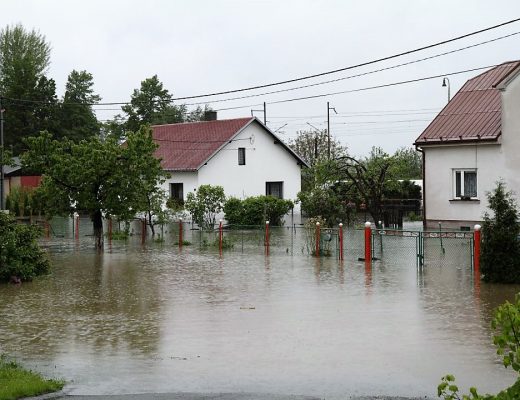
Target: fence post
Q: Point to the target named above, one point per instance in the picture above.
(220, 237)
(143, 230)
(340, 241)
(47, 230)
(110, 229)
(267, 237)
(476, 250)
(368, 243)
(180, 232)
(77, 227)
(318, 234)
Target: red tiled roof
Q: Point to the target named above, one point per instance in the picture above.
(474, 114)
(186, 146)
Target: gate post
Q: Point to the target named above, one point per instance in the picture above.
(476, 250)
(266, 240)
(77, 227)
(180, 232)
(368, 243)
(220, 237)
(340, 241)
(318, 234)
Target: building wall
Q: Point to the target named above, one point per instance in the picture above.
(492, 161)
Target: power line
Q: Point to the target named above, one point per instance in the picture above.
(352, 66)
(357, 75)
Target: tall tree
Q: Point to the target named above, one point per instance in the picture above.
(312, 146)
(99, 177)
(77, 119)
(28, 97)
(408, 163)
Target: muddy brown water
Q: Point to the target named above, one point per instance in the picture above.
(158, 319)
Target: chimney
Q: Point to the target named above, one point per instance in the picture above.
(210, 115)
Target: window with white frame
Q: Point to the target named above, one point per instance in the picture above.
(241, 156)
(465, 184)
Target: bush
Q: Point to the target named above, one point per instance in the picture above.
(23, 201)
(506, 322)
(500, 256)
(20, 255)
(256, 210)
(205, 205)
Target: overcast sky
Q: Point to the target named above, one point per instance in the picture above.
(199, 47)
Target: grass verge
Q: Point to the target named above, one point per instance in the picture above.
(16, 382)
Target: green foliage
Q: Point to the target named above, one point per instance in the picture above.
(76, 118)
(23, 201)
(17, 382)
(311, 230)
(226, 243)
(506, 323)
(205, 205)
(256, 210)
(407, 163)
(325, 202)
(24, 59)
(500, 255)
(20, 255)
(100, 177)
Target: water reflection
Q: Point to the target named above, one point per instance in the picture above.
(162, 319)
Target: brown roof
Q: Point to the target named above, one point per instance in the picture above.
(188, 146)
(474, 114)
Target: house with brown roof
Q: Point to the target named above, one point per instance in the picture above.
(470, 145)
(242, 155)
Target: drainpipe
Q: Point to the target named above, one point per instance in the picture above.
(423, 184)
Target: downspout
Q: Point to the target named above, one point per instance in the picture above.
(423, 184)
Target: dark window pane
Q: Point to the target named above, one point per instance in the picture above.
(470, 184)
(241, 156)
(274, 189)
(457, 184)
(177, 191)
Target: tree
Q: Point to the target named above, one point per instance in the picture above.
(256, 210)
(500, 257)
(95, 176)
(21, 259)
(205, 205)
(312, 146)
(77, 119)
(28, 96)
(408, 163)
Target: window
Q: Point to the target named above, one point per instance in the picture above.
(241, 156)
(465, 184)
(177, 192)
(274, 189)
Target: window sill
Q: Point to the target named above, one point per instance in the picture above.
(465, 201)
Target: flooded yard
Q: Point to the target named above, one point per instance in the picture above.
(157, 318)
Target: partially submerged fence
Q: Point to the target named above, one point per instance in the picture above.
(392, 246)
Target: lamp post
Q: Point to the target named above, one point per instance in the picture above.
(446, 82)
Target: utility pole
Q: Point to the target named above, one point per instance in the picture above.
(316, 154)
(328, 127)
(1, 156)
(265, 114)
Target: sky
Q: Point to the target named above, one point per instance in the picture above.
(206, 46)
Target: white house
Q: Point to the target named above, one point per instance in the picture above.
(471, 144)
(241, 155)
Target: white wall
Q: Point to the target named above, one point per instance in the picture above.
(265, 162)
(189, 179)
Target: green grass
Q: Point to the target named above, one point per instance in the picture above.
(16, 382)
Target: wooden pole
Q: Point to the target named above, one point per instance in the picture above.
(476, 250)
(220, 237)
(266, 237)
(180, 233)
(318, 234)
(110, 229)
(368, 243)
(77, 227)
(340, 232)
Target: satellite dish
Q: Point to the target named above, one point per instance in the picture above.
(252, 138)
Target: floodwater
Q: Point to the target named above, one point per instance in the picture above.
(141, 319)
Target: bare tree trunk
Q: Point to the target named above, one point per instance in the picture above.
(97, 221)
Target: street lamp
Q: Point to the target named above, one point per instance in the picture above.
(446, 82)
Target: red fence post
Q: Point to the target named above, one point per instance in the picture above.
(476, 250)
(266, 237)
(143, 231)
(220, 237)
(77, 227)
(368, 243)
(318, 234)
(180, 232)
(340, 241)
(110, 229)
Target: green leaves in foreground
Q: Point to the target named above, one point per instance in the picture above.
(506, 323)
(16, 382)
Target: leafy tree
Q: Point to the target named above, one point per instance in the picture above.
(28, 96)
(100, 177)
(20, 256)
(205, 205)
(407, 163)
(506, 322)
(77, 119)
(256, 210)
(500, 257)
(312, 146)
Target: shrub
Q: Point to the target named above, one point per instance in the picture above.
(23, 201)
(506, 322)
(20, 255)
(205, 205)
(325, 203)
(500, 256)
(256, 210)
